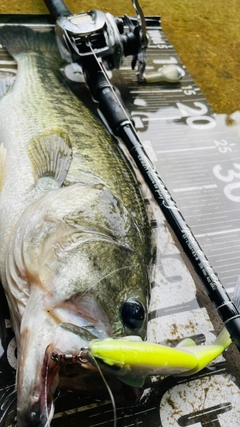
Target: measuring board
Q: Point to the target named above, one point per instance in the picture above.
(197, 157)
(196, 153)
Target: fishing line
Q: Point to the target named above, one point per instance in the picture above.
(107, 78)
(50, 413)
(45, 397)
(109, 391)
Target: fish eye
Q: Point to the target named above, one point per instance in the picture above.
(133, 313)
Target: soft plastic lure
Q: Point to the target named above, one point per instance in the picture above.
(134, 359)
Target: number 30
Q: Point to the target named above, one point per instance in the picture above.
(228, 177)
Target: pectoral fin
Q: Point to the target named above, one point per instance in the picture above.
(51, 156)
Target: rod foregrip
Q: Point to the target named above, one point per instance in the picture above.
(112, 109)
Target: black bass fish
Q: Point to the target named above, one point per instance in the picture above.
(74, 235)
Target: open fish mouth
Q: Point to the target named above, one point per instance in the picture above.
(40, 412)
(66, 364)
(63, 354)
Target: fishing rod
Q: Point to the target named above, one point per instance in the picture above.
(97, 42)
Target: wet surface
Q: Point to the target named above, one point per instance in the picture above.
(206, 37)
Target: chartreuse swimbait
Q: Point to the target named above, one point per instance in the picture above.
(132, 359)
(130, 356)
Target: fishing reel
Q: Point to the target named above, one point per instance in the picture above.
(101, 34)
(110, 39)
(96, 31)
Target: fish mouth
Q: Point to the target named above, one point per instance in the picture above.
(32, 418)
(61, 355)
(66, 366)
(41, 411)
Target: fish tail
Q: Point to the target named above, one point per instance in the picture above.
(21, 39)
(223, 339)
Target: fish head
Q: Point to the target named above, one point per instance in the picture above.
(87, 278)
(100, 285)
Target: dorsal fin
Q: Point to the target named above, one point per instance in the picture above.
(51, 156)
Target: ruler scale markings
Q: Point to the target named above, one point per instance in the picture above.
(199, 178)
(222, 250)
(227, 245)
(236, 160)
(181, 150)
(199, 197)
(220, 226)
(201, 171)
(202, 218)
(227, 264)
(224, 269)
(197, 207)
(185, 179)
(220, 232)
(234, 277)
(227, 221)
(217, 222)
(198, 201)
(212, 230)
(189, 155)
(218, 239)
(203, 187)
(218, 254)
(205, 214)
(181, 167)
